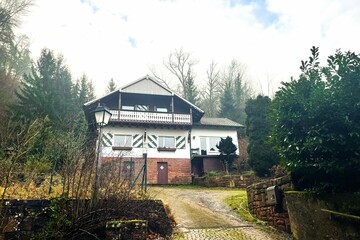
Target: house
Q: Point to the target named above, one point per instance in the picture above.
(146, 116)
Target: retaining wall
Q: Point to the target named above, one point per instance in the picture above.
(237, 181)
(20, 219)
(260, 206)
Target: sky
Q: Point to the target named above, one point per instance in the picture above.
(123, 39)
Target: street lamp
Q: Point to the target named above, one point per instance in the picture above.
(145, 148)
(102, 117)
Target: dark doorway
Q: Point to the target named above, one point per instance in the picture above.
(162, 173)
(197, 167)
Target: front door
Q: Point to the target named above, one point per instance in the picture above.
(162, 173)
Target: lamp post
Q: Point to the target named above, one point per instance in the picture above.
(102, 117)
(145, 148)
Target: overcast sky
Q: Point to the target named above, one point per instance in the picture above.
(121, 39)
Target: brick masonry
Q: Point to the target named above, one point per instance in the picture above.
(179, 169)
(275, 215)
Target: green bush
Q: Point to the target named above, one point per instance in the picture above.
(316, 124)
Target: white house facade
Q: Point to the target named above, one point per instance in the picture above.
(147, 117)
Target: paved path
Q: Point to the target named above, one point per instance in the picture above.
(201, 214)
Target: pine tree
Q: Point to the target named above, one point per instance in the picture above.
(47, 91)
(191, 91)
(227, 108)
(111, 86)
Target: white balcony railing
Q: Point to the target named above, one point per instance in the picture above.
(150, 117)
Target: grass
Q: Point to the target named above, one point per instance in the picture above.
(239, 204)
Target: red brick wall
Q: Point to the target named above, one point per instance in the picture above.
(179, 169)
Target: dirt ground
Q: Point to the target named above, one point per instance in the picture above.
(205, 209)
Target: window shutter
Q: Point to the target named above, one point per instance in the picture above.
(137, 141)
(180, 142)
(152, 141)
(106, 139)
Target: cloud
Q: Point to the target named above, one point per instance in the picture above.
(121, 39)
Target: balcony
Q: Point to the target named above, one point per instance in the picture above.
(150, 117)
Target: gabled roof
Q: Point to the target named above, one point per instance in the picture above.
(141, 85)
(218, 122)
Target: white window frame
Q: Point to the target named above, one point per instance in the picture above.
(162, 142)
(128, 107)
(215, 149)
(127, 142)
(161, 109)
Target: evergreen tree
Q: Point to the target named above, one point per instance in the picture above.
(227, 151)
(261, 155)
(111, 86)
(191, 91)
(83, 90)
(47, 91)
(227, 102)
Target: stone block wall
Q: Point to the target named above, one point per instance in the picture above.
(237, 181)
(22, 218)
(259, 205)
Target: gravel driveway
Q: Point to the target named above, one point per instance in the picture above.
(202, 214)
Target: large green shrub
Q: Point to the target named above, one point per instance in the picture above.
(316, 123)
(261, 155)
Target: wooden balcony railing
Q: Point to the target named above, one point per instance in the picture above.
(150, 117)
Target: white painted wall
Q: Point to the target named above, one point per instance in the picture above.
(152, 152)
(197, 133)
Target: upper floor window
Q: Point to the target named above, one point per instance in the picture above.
(166, 142)
(122, 140)
(130, 108)
(161, 109)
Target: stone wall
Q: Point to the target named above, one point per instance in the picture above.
(260, 205)
(20, 219)
(325, 217)
(237, 181)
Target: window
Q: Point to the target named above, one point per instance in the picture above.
(166, 142)
(213, 141)
(161, 109)
(130, 108)
(123, 140)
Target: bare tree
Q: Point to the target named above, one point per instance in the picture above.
(181, 65)
(210, 101)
